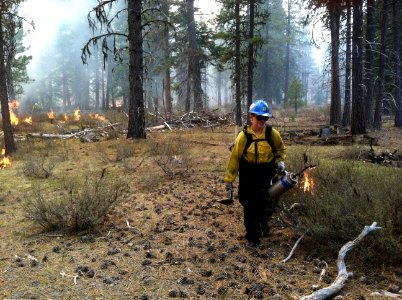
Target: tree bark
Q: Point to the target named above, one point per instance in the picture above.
(287, 62)
(381, 76)
(237, 71)
(250, 64)
(9, 143)
(348, 67)
(358, 125)
(397, 63)
(167, 95)
(370, 50)
(194, 59)
(136, 112)
(335, 107)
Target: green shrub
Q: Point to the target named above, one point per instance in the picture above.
(346, 197)
(76, 205)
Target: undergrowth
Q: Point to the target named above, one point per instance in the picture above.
(76, 204)
(347, 196)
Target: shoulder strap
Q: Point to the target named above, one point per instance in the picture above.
(268, 137)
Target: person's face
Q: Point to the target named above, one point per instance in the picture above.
(258, 121)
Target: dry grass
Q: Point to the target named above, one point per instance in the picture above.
(166, 237)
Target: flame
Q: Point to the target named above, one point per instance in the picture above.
(13, 118)
(28, 120)
(66, 117)
(308, 183)
(50, 114)
(13, 105)
(4, 162)
(97, 117)
(77, 115)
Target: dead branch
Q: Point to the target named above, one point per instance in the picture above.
(294, 248)
(386, 294)
(343, 275)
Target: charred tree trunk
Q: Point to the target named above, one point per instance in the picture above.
(219, 87)
(397, 63)
(237, 71)
(381, 76)
(9, 143)
(250, 65)
(348, 67)
(370, 50)
(335, 107)
(136, 112)
(358, 118)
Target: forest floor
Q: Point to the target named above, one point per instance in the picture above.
(168, 237)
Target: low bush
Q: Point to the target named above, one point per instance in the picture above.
(75, 205)
(347, 196)
(171, 156)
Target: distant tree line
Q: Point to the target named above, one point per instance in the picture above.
(144, 54)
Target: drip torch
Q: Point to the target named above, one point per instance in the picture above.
(284, 182)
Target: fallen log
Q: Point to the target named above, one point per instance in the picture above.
(343, 275)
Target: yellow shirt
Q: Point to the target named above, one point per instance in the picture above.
(264, 151)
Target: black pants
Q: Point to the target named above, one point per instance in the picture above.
(258, 206)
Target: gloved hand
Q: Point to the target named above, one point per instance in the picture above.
(229, 186)
(280, 167)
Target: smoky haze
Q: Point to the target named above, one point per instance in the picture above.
(60, 30)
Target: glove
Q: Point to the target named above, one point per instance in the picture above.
(229, 186)
(280, 167)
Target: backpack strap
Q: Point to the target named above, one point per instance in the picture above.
(268, 138)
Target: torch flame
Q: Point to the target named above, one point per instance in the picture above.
(77, 115)
(308, 183)
(4, 162)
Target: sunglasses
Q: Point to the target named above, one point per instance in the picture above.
(260, 118)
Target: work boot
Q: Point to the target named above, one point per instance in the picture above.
(252, 245)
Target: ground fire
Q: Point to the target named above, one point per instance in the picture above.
(308, 182)
(4, 162)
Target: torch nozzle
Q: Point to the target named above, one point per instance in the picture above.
(304, 169)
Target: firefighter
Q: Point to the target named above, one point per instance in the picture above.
(258, 154)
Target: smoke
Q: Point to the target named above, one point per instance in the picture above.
(52, 18)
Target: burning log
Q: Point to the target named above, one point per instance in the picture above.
(343, 275)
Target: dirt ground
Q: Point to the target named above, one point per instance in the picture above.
(168, 238)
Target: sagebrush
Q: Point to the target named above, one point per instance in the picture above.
(76, 204)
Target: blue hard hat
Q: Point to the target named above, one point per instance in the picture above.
(260, 108)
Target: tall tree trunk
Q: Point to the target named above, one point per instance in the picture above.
(136, 112)
(287, 61)
(219, 87)
(250, 65)
(97, 79)
(383, 58)
(335, 107)
(195, 59)
(237, 70)
(65, 89)
(397, 63)
(167, 95)
(103, 85)
(9, 143)
(110, 66)
(358, 118)
(370, 50)
(348, 67)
